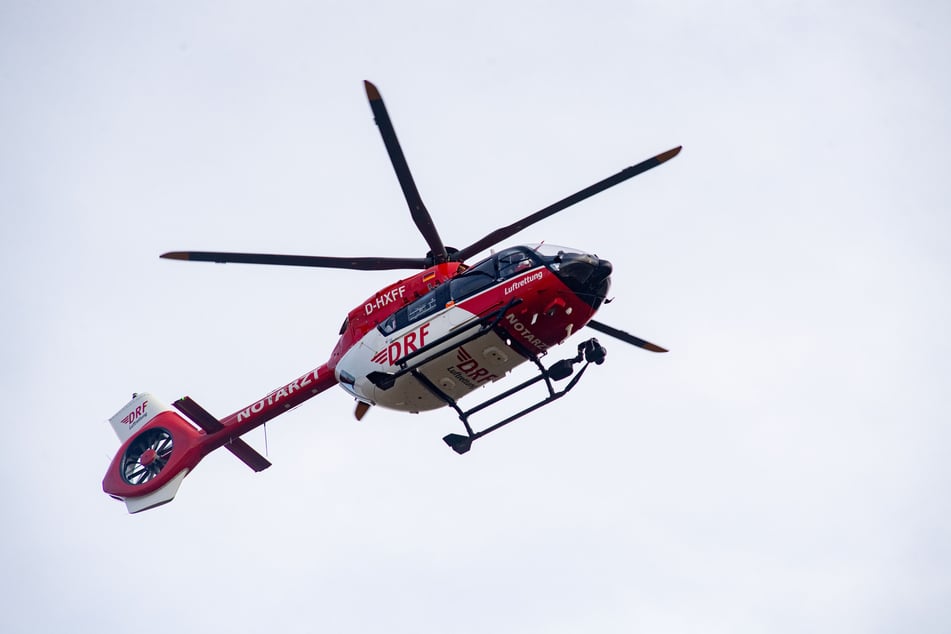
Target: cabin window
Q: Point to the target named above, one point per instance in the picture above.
(388, 325)
(420, 308)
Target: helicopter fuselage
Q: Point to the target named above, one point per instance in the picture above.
(464, 327)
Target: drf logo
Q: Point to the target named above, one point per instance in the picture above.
(133, 416)
(402, 346)
(469, 371)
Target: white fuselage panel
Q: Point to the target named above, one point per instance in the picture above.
(457, 370)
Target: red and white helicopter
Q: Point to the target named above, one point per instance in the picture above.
(421, 343)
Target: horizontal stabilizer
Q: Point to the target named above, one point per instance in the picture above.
(198, 415)
(246, 454)
(203, 418)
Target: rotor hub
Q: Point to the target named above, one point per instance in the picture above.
(148, 457)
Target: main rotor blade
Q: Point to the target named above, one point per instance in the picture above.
(417, 209)
(624, 336)
(360, 264)
(505, 232)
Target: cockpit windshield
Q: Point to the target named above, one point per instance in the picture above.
(516, 260)
(552, 254)
(504, 264)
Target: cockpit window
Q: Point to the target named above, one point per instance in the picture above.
(501, 266)
(515, 261)
(477, 278)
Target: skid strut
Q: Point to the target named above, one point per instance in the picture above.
(589, 352)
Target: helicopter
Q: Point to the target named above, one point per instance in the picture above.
(422, 343)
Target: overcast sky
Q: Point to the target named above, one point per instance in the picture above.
(783, 469)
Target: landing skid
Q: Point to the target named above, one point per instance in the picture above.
(589, 351)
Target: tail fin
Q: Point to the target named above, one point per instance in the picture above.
(136, 414)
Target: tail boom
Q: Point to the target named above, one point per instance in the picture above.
(160, 445)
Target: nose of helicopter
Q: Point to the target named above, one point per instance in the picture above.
(587, 275)
(602, 270)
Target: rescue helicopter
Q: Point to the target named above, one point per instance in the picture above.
(424, 342)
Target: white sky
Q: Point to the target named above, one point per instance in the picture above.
(783, 469)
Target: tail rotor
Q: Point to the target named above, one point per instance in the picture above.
(147, 455)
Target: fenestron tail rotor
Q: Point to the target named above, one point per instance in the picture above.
(147, 456)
